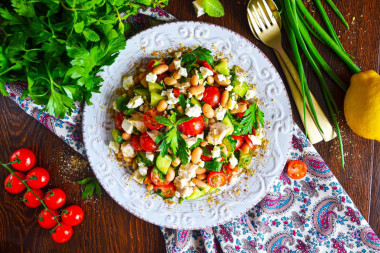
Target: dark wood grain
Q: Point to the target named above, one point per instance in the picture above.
(109, 228)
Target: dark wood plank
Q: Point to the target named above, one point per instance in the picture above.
(108, 227)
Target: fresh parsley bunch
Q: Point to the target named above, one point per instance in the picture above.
(58, 46)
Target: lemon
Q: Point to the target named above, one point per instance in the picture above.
(362, 105)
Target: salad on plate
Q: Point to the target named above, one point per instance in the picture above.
(187, 124)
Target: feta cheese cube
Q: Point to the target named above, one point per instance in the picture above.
(217, 133)
(215, 153)
(232, 103)
(177, 65)
(201, 164)
(127, 126)
(177, 54)
(128, 82)
(135, 102)
(200, 136)
(149, 156)
(250, 94)
(233, 161)
(191, 141)
(206, 72)
(143, 170)
(151, 78)
(222, 77)
(193, 111)
(198, 8)
(220, 112)
(182, 71)
(255, 140)
(240, 79)
(137, 177)
(229, 88)
(114, 146)
(153, 134)
(128, 150)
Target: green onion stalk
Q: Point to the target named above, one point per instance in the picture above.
(299, 24)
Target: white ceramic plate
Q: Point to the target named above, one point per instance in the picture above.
(97, 127)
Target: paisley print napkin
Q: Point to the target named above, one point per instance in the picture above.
(313, 214)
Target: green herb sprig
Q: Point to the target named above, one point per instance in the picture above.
(91, 184)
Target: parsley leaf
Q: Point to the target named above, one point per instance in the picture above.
(184, 120)
(213, 8)
(163, 120)
(201, 53)
(213, 165)
(252, 117)
(182, 101)
(199, 140)
(183, 151)
(91, 184)
(141, 157)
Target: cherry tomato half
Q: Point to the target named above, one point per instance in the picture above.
(72, 215)
(249, 142)
(55, 198)
(136, 143)
(296, 169)
(193, 127)
(239, 140)
(151, 64)
(46, 220)
(207, 157)
(216, 179)
(166, 191)
(241, 114)
(149, 120)
(13, 185)
(211, 96)
(147, 143)
(27, 157)
(30, 200)
(119, 121)
(156, 180)
(37, 178)
(62, 233)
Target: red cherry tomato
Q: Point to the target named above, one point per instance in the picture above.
(249, 142)
(136, 143)
(37, 178)
(227, 169)
(239, 140)
(27, 157)
(46, 220)
(72, 215)
(216, 179)
(30, 200)
(241, 114)
(62, 233)
(13, 185)
(149, 120)
(193, 127)
(147, 143)
(150, 66)
(55, 198)
(207, 157)
(176, 92)
(166, 191)
(296, 169)
(211, 96)
(205, 64)
(119, 121)
(157, 181)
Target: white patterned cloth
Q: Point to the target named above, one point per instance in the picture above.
(313, 214)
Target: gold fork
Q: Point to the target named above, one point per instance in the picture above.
(266, 28)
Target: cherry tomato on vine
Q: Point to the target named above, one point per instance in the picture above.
(241, 114)
(147, 143)
(149, 120)
(136, 143)
(55, 198)
(156, 179)
(37, 178)
(30, 200)
(193, 127)
(166, 191)
(239, 140)
(296, 169)
(72, 215)
(211, 96)
(46, 220)
(119, 120)
(216, 179)
(62, 233)
(13, 185)
(151, 64)
(27, 157)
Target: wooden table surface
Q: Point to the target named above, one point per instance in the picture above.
(109, 228)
